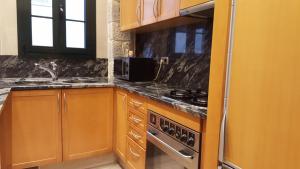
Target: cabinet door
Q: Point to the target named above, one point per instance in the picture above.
(189, 3)
(87, 122)
(136, 155)
(121, 124)
(149, 11)
(265, 84)
(130, 15)
(36, 128)
(167, 9)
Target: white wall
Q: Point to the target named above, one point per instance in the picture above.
(8, 28)
(9, 36)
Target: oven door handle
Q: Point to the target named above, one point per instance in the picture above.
(165, 147)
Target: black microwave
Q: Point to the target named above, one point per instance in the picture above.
(134, 69)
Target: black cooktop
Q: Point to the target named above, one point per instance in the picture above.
(197, 97)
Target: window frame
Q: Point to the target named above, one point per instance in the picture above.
(59, 48)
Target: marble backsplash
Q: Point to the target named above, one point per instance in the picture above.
(188, 48)
(22, 67)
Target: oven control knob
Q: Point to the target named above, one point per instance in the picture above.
(165, 128)
(183, 137)
(177, 135)
(171, 131)
(191, 142)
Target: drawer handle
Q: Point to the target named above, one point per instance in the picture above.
(136, 136)
(133, 153)
(136, 103)
(135, 119)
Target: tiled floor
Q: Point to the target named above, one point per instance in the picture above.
(103, 162)
(110, 166)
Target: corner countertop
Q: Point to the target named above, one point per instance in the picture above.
(151, 90)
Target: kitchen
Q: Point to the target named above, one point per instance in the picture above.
(149, 84)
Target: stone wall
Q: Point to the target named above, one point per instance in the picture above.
(118, 41)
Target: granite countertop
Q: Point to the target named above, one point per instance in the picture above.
(150, 90)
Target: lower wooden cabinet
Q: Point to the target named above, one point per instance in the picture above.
(120, 124)
(136, 155)
(36, 128)
(87, 120)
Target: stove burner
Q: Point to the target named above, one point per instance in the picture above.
(178, 94)
(195, 97)
(199, 101)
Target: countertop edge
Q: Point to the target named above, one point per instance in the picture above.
(183, 107)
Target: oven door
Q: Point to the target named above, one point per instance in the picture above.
(164, 152)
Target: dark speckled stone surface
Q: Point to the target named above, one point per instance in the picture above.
(150, 90)
(189, 66)
(16, 67)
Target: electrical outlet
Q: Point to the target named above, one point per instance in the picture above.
(164, 60)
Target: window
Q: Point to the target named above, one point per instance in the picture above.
(57, 27)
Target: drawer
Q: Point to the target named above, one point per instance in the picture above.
(137, 135)
(137, 118)
(137, 103)
(136, 156)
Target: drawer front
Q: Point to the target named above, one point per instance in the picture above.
(137, 135)
(136, 156)
(138, 119)
(137, 103)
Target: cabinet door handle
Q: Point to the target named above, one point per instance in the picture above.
(134, 153)
(136, 136)
(158, 8)
(138, 12)
(124, 102)
(58, 102)
(65, 102)
(136, 103)
(135, 119)
(154, 9)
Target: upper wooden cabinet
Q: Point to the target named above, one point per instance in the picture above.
(36, 128)
(130, 14)
(120, 124)
(136, 13)
(149, 14)
(189, 3)
(87, 120)
(168, 9)
(159, 10)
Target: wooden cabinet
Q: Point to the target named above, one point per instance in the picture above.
(136, 133)
(87, 122)
(159, 10)
(5, 135)
(189, 3)
(121, 124)
(168, 9)
(36, 128)
(135, 13)
(136, 156)
(149, 11)
(263, 116)
(130, 14)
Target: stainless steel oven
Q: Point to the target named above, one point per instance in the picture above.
(171, 145)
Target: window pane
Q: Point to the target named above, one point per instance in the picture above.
(41, 7)
(75, 34)
(180, 43)
(75, 9)
(199, 41)
(42, 32)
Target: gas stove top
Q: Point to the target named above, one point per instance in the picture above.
(196, 97)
